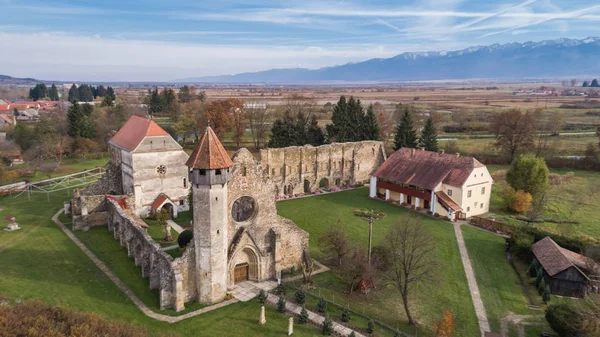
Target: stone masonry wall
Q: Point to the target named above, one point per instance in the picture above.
(164, 272)
(302, 169)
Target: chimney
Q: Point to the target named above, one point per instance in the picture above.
(412, 152)
(442, 151)
(457, 154)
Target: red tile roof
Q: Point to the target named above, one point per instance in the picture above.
(209, 154)
(447, 201)
(134, 131)
(555, 259)
(426, 169)
(159, 201)
(8, 119)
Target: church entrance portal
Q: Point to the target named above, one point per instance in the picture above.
(241, 272)
(169, 209)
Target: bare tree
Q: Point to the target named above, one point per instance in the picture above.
(548, 128)
(573, 82)
(335, 242)
(411, 248)
(514, 131)
(238, 123)
(296, 103)
(259, 120)
(386, 123)
(357, 270)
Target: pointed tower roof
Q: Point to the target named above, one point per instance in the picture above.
(134, 131)
(209, 154)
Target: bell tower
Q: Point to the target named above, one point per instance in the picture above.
(209, 171)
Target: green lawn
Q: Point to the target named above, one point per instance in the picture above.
(449, 290)
(576, 200)
(498, 283)
(40, 262)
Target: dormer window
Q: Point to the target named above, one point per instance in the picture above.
(202, 172)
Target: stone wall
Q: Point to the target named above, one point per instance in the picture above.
(109, 183)
(302, 169)
(89, 211)
(267, 242)
(171, 277)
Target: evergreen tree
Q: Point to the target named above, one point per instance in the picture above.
(300, 296)
(346, 315)
(303, 318)
(283, 132)
(314, 134)
(355, 118)
(53, 93)
(185, 94)
(73, 94)
(75, 120)
(337, 130)
(594, 83)
(370, 126)
(262, 296)
(85, 93)
(281, 304)
(322, 305)
(38, 92)
(585, 84)
(300, 124)
(100, 91)
(370, 326)
(107, 101)
(155, 104)
(406, 135)
(428, 139)
(327, 328)
(110, 92)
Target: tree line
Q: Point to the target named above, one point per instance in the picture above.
(88, 93)
(41, 91)
(594, 84)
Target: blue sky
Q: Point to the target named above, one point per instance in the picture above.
(170, 39)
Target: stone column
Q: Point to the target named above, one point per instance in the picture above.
(432, 202)
(372, 186)
(401, 198)
(290, 326)
(387, 194)
(417, 202)
(263, 319)
(178, 288)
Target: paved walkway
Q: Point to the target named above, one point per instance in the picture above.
(484, 325)
(245, 291)
(126, 290)
(322, 268)
(175, 226)
(313, 318)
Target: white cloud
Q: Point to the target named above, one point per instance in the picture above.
(63, 57)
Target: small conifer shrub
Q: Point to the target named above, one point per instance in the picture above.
(281, 304)
(262, 296)
(322, 305)
(300, 296)
(346, 315)
(327, 326)
(303, 318)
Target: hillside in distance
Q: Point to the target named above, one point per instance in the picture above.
(545, 59)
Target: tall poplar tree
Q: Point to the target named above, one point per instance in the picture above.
(370, 126)
(428, 139)
(406, 136)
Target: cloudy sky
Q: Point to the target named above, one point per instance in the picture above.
(160, 40)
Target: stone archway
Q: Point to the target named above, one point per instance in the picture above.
(306, 186)
(324, 183)
(169, 208)
(244, 266)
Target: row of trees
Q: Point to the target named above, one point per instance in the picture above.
(87, 93)
(168, 102)
(594, 84)
(41, 91)
(349, 123)
(406, 134)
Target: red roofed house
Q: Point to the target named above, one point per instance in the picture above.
(152, 165)
(565, 272)
(447, 184)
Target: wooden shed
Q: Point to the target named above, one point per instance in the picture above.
(565, 272)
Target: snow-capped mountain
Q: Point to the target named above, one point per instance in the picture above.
(544, 59)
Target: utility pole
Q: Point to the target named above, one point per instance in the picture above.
(371, 216)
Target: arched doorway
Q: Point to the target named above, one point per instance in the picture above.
(306, 186)
(245, 266)
(324, 183)
(338, 182)
(290, 189)
(169, 207)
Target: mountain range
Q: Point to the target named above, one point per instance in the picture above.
(545, 59)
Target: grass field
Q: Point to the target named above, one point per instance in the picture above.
(450, 289)
(499, 284)
(40, 262)
(576, 200)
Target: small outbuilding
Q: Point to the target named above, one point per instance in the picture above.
(565, 272)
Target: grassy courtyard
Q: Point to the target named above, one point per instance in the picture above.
(40, 261)
(449, 290)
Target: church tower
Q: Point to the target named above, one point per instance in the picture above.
(209, 171)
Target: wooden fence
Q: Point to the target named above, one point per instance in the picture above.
(491, 225)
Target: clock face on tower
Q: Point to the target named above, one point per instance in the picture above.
(244, 209)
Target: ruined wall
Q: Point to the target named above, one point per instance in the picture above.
(110, 182)
(268, 242)
(164, 272)
(302, 169)
(89, 211)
